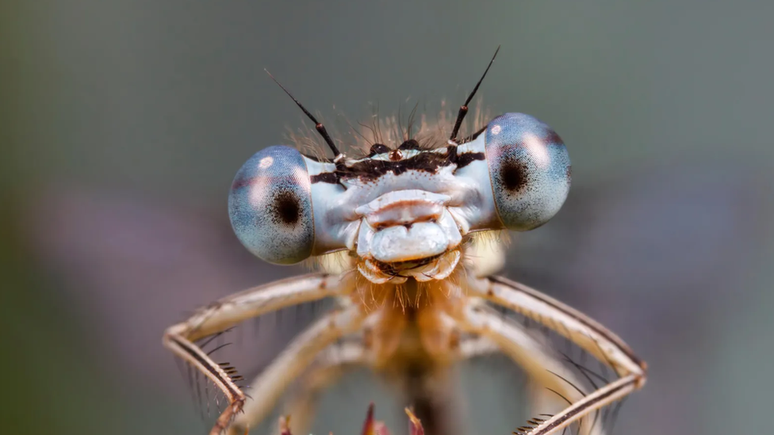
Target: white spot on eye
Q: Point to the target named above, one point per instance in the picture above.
(258, 191)
(266, 162)
(537, 149)
(496, 129)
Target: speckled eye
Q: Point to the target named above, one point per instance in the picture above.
(270, 206)
(529, 168)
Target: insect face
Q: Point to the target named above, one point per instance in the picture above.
(403, 212)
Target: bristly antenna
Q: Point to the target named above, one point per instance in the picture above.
(464, 108)
(317, 125)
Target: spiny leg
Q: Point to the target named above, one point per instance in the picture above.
(267, 388)
(578, 328)
(537, 358)
(233, 309)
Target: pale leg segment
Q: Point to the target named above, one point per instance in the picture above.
(339, 358)
(269, 386)
(332, 363)
(533, 355)
(231, 310)
(576, 327)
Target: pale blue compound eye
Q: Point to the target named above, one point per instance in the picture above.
(270, 206)
(529, 168)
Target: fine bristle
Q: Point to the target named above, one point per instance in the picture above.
(333, 262)
(357, 138)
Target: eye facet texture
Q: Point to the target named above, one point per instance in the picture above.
(270, 206)
(529, 168)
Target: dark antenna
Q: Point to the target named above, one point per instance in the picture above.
(317, 125)
(464, 108)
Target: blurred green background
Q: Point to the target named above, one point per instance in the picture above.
(124, 122)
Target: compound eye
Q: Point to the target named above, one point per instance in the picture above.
(270, 206)
(530, 170)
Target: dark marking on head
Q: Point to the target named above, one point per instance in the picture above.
(426, 161)
(325, 177)
(451, 150)
(378, 148)
(513, 175)
(465, 159)
(368, 170)
(286, 208)
(410, 144)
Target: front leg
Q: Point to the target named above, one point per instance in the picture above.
(267, 388)
(533, 355)
(233, 309)
(578, 328)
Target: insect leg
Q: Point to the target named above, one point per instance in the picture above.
(339, 358)
(578, 328)
(472, 347)
(537, 358)
(332, 363)
(233, 309)
(267, 388)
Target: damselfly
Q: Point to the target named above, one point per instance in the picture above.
(406, 231)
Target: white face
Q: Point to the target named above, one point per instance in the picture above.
(402, 212)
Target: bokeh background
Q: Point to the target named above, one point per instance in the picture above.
(124, 122)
